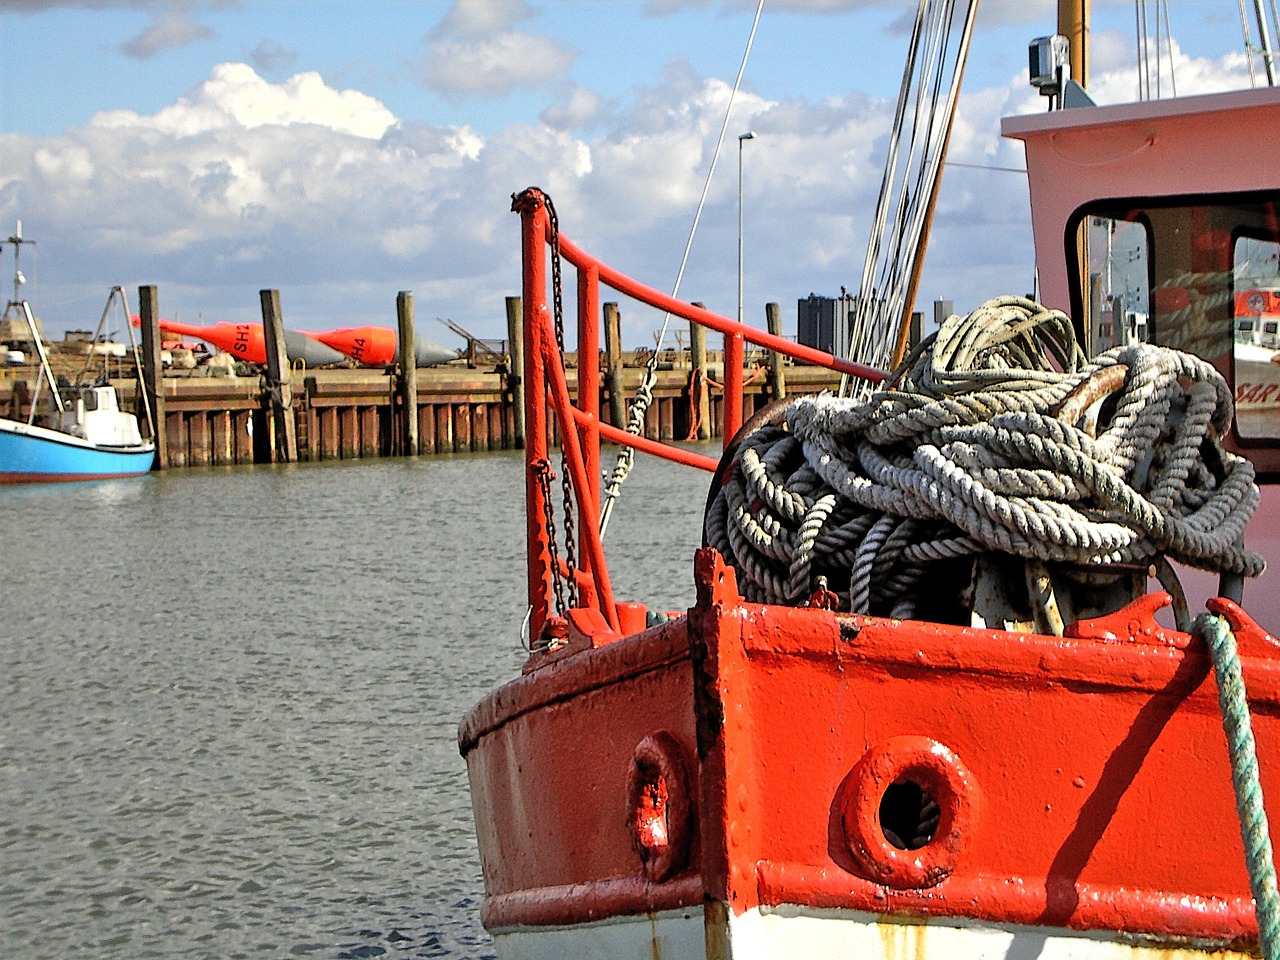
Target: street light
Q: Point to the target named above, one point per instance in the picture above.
(742, 137)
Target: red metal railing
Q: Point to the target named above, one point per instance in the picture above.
(546, 386)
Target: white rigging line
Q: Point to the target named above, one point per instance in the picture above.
(1263, 48)
(890, 263)
(1163, 47)
(626, 455)
(715, 157)
(1168, 39)
(1139, 27)
(1248, 44)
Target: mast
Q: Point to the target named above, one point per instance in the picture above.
(24, 310)
(1073, 23)
(1264, 37)
(18, 278)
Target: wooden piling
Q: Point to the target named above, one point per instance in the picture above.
(369, 440)
(285, 448)
(224, 437)
(700, 400)
(613, 365)
(348, 432)
(777, 381)
(408, 372)
(515, 363)
(152, 373)
(427, 427)
(444, 428)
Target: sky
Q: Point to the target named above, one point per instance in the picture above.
(342, 152)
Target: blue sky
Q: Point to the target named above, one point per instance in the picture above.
(342, 152)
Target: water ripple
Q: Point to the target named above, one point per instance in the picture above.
(230, 700)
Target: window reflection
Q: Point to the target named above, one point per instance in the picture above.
(1201, 275)
(1256, 306)
(1119, 295)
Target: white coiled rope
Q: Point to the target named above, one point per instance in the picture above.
(998, 436)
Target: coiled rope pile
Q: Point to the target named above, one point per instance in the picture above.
(998, 436)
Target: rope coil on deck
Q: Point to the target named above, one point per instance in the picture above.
(999, 436)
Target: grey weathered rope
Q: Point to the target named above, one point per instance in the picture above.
(973, 445)
(1234, 703)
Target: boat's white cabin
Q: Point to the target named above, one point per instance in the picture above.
(96, 416)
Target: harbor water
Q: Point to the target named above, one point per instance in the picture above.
(231, 697)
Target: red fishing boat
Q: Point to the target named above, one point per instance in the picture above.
(943, 690)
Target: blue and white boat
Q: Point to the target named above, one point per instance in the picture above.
(95, 441)
(85, 435)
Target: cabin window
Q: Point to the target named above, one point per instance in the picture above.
(1201, 274)
(90, 399)
(1256, 351)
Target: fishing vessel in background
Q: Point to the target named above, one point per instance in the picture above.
(945, 689)
(84, 435)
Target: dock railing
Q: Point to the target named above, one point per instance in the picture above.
(578, 588)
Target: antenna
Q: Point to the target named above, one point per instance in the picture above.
(18, 278)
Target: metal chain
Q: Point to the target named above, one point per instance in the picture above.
(542, 468)
(556, 286)
(557, 300)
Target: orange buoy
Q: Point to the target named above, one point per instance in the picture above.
(372, 346)
(244, 341)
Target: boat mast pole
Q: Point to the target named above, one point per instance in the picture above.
(1264, 37)
(17, 303)
(1073, 23)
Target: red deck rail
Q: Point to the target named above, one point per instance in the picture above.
(580, 430)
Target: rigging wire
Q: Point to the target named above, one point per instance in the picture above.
(927, 97)
(1248, 44)
(1163, 46)
(1168, 38)
(636, 412)
(1159, 56)
(1140, 31)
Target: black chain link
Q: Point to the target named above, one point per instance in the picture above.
(545, 475)
(557, 298)
(557, 301)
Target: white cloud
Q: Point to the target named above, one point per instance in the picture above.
(235, 96)
(326, 195)
(582, 109)
(1116, 70)
(494, 66)
(475, 19)
(473, 52)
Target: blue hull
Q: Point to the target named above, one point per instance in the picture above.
(30, 454)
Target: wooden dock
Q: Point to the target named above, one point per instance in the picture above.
(285, 413)
(346, 414)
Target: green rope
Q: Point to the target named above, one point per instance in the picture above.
(1244, 777)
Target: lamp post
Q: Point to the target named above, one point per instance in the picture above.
(742, 138)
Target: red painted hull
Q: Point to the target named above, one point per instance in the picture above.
(1084, 783)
